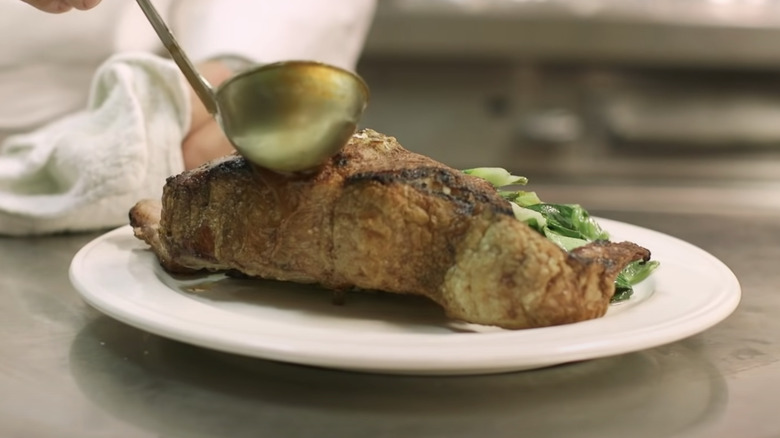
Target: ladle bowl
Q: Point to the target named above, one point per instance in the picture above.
(291, 115)
(287, 116)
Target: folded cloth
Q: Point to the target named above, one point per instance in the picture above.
(86, 170)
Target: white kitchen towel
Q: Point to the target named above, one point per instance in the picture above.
(87, 169)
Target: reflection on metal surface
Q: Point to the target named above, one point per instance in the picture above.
(177, 390)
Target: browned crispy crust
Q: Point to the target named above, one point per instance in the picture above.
(377, 216)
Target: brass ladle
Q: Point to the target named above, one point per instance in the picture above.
(287, 116)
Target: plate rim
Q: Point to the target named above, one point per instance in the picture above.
(394, 357)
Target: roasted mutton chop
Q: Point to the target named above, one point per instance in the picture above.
(379, 217)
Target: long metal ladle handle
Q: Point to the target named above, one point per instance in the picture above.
(199, 84)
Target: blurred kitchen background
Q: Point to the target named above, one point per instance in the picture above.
(643, 104)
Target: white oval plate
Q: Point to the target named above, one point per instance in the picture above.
(376, 332)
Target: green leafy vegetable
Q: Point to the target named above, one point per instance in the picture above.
(497, 176)
(521, 198)
(632, 274)
(567, 225)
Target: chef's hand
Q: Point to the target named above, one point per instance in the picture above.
(60, 6)
(205, 140)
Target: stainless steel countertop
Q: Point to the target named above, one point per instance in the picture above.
(68, 371)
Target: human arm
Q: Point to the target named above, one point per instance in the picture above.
(60, 6)
(205, 140)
